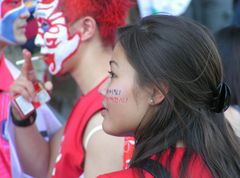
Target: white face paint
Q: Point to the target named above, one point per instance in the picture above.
(54, 39)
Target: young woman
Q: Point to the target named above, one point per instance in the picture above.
(166, 89)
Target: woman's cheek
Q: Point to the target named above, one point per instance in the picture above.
(116, 96)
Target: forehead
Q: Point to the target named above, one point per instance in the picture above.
(9, 5)
(45, 8)
(119, 54)
(121, 62)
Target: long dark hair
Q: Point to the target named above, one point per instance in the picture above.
(181, 54)
(228, 41)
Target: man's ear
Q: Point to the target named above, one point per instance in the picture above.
(158, 95)
(86, 26)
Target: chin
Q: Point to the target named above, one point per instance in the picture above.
(108, 129)
(21, 40)
(114, 132)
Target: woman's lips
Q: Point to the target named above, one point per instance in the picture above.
(104, 110)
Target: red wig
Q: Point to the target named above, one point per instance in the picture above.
(109, 14)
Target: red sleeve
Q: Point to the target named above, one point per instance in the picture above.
(198, 169)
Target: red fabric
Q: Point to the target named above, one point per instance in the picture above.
(5, 162)
(196, 167)
(6, 78)
(71, 159)
(129, 143)
(31, 29)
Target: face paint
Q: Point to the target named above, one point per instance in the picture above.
(114, 96)
(30, 5)
(114, 92)
(57, 45)
(10, 12)
(125, 102)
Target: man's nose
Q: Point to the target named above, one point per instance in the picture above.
(39, 41)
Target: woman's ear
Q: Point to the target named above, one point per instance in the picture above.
(158, 95)
(86, 26)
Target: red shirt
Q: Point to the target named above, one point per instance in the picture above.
(6, 80)
(129, 143)
(196, 167)
(69, 163)
(6, 77)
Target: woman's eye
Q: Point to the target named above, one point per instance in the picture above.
(111, 74)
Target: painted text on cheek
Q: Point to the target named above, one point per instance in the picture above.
(114, 96)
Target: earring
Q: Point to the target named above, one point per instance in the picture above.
(151, 101)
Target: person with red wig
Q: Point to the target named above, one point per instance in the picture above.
(13, 22)
(76, 37)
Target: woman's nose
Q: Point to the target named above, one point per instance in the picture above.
(103, 88)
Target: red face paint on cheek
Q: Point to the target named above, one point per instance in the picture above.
(117, 100)
(115, 96)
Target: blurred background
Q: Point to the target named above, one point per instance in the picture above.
(215, 14)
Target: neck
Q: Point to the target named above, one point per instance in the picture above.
(180, 144)
(91, 66)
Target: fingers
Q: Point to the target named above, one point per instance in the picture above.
(27, 65)
(48, 86)
(23, 87)
(25, 84)
(27, 68)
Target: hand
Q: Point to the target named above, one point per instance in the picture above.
(23, 85)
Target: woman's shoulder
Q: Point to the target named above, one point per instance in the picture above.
(196, 167)
(128, 173)
(233, 116)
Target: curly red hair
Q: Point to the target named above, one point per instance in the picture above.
(109, 14)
